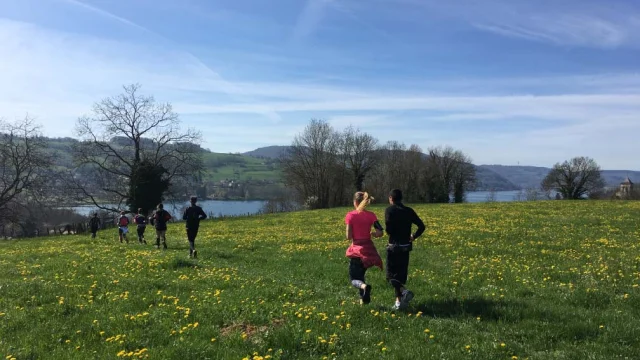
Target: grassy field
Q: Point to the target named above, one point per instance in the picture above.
(233, 166)
(538, 280)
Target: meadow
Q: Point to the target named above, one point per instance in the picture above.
(529, 280)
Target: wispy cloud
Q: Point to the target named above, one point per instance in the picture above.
(310, 18)
(584, 23)
(227, 86)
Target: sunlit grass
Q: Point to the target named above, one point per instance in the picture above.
(540, 280)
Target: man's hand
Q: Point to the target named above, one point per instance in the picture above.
(378, 233)
(411, 238)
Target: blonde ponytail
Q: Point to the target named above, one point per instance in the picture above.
(363, 200)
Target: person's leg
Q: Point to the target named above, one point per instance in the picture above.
(144, 228)
(394, 274)
(407, 295)
(140, 231)
(164, 238)
(192, 241)
(120, 234)
(357, 276)
(157, 239)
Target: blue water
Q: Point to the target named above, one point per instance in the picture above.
(211, 207)
(219, 208)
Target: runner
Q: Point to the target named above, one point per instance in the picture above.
(398, 219)
(193, 214)
(141, 221)
(123, 229)
(160, 219)
(94, 224)
(362, 251)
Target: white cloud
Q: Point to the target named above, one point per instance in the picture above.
(56, 76)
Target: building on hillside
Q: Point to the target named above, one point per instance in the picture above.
(626, 187)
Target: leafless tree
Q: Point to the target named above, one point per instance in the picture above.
(24, 162)
(123, 132)
(310, 163)
(448, 171)
(360, 153)
(575, 179)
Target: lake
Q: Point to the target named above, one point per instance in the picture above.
(235, 208)
(216, 207)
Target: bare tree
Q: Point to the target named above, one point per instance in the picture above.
(123, 135)
(360, 152)
(309, 166)
(448, 171)
(24, 162)
(575, 179)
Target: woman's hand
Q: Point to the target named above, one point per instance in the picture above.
(378, 233)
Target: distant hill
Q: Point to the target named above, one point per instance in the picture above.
(532, 176)
(522, 176)
(269, 152)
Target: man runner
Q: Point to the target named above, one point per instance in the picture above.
(94, 224)
(193, 214)
(141, 221)
(160, 219)
(398, 219)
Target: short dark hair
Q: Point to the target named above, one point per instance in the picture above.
(396, 195)
(160, 206)
(139, 210)
(194, 199)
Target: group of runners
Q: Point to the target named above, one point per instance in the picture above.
(362, 252)
(159, 219)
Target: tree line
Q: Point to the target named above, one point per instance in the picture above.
(324, 167)
(133, 154)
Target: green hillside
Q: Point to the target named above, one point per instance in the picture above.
(529, 280)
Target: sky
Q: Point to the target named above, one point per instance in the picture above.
(506, 81)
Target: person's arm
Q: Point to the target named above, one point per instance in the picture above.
(203, 215)
(388, 221)
(184, 214)
(416, 220)
(349, 232)
(378, 228)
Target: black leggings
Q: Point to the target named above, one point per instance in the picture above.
(141, 230)
(397, 270)
(356, 273)
(191, 236)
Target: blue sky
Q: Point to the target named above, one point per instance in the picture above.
(506, 81)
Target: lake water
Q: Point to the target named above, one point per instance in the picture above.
(236, 208)
(216, 208)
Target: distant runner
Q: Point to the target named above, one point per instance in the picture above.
(398, 219)
(94, 225)
(193, 214)
(160, 219)
(141, 221)
(362, 252)
(123, 226)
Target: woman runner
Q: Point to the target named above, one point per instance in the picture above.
(362, 252)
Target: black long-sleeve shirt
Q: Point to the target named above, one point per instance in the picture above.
(399, 219)
(193, 214)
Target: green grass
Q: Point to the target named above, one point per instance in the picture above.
(549, 280)
(238, 167)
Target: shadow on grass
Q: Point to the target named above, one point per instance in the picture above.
(460, 308)
(181, 264)
(223, 255)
